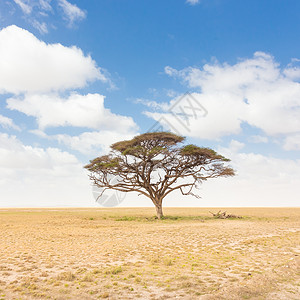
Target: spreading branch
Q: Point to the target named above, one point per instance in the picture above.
(154, 165)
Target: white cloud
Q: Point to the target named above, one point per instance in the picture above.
(256, 91)
(236, 146)
(258, 168)
(40, 26)
(152, 104)
(260, 181)
(258, 139)
(76, 110)
(261, 69)
(93, 143)
(90, 143)
(37, 11)
(30, 65)
(270, 182)
(171, 93)
(71, 11)
(34, 176)
(293, 69)
(292, 73)
(8, 123)
(40, 177)
(193, 2)
(26, 8)
(87, 111)
(189, 119)
(45, 5)
(18, 156)
(292, 142)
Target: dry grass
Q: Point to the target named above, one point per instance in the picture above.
(126, 253)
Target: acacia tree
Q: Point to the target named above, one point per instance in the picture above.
(154, 165)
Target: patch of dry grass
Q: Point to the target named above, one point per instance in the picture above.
(127, 253)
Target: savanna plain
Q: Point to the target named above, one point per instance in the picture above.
(125, 253)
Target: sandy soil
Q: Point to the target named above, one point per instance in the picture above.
(127, 254)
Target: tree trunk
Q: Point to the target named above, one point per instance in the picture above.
(159, 211)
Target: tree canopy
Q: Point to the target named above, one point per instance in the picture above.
(155, 164)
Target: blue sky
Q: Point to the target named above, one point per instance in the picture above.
(76, 76)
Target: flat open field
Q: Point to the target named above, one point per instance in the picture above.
(124, 253)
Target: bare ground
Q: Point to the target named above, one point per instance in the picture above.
(124, 253)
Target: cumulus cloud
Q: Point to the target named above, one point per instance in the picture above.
(93, 143)
(30, 65)
(34, 176)
(256, 91)
(261, 168)
(18, 156)
(196, 115)
(260, 180)
(51, 110)
(71, 11)
(292, 71)
(86, 111)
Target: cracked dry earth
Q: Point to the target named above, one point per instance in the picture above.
(124, 253)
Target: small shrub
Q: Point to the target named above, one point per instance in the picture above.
(81, 270)
(96, 271)
(138, 279)
(168, 262)
(67, 276)
(88, 277)
(117, 270)
(126, 218)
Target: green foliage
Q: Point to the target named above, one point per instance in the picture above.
(126, 218)
(192, 150)
(165, 218)
(155, 138)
